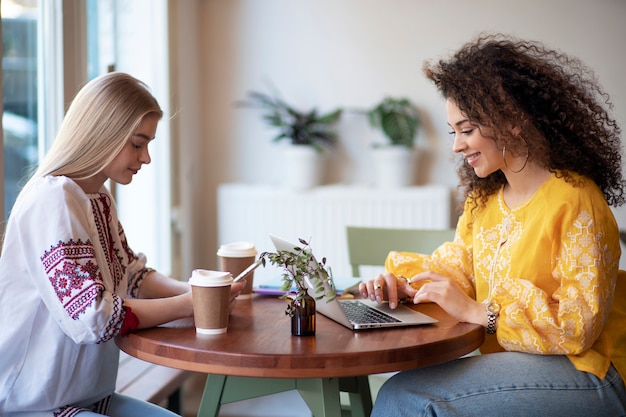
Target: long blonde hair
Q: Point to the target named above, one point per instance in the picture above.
(102, 117)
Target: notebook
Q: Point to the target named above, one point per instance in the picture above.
(361, 313)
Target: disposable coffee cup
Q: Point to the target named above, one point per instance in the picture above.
(210, 291)
(234, 258)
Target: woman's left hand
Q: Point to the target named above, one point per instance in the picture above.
(448, 295)
(235, 290)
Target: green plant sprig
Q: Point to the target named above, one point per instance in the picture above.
(299, 264)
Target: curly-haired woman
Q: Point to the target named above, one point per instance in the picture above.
(535, 259)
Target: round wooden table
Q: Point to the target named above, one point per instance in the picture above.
(259, 347)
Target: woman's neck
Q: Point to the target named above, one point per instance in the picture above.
(520, 187)
(90, 185)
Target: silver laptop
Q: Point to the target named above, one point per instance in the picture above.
(362, 313)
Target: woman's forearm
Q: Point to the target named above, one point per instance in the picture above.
(153, 312)
(157, 285)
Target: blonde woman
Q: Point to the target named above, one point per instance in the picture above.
(69, 282)
(536, 253)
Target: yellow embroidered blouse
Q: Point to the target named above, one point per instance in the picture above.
(552, 265)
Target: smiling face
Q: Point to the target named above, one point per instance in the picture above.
(480, 152)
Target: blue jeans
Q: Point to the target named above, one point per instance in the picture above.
(498, 384)
(124, 406)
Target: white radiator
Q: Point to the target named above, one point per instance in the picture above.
(320, 215)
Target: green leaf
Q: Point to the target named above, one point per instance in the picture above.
(330, 118)
(398, 119)
(297, 264)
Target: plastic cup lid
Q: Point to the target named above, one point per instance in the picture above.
(207, 278)
(237, 250)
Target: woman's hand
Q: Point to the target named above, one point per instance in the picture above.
(386, 286)
(174, 300)
(448, 295)
(235, 290)
(432, 287)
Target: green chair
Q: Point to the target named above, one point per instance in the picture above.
(369, 246)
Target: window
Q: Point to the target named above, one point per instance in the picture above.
(45, 61)
(117, 41)
(19, 79)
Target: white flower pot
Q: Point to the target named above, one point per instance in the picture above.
(304, 167)
(394, 166)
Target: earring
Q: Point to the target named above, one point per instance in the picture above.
(506, 165)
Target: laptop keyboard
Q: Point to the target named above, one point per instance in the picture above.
(361, 313)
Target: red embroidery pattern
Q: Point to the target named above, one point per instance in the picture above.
(74, 275)
(130, 255)
(134, 282)
(116, 321)
(101, 209)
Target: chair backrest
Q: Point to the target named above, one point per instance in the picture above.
(369, 246)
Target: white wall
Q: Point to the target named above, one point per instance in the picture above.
(145, 202)
(350, 53)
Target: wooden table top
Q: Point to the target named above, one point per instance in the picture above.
(259, 344)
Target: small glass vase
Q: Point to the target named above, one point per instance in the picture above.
(303, 316)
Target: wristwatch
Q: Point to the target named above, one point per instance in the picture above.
(493, 311)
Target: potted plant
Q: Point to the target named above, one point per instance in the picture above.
(299, 265)
(308, 133)
(398, 120)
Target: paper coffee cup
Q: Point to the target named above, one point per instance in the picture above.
(211, 300)
(234, 258)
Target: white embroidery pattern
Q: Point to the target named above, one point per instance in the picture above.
(547, 322)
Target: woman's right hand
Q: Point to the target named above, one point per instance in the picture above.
(235, 290)
(387, 287)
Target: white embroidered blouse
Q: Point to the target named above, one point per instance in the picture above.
(64, 271)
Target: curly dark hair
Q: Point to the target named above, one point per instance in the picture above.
(498, 81)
